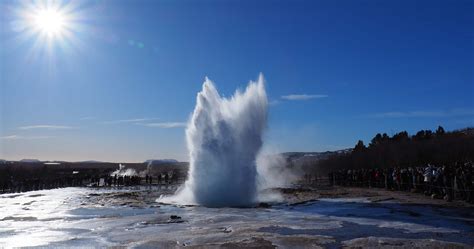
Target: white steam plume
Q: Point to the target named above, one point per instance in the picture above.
(224, 137)
(122, 171)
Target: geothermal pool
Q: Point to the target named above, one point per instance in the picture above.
(78, 217)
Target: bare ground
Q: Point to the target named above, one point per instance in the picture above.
(293, 196)
(300, 195)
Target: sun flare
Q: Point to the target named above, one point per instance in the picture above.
(49, 21)
(49, 26)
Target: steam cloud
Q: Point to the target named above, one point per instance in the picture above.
(273, 172)
(224, 137)
(123, 171)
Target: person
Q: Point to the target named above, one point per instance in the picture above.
(412, 175)
(396, 179)
(467, 180)
(458, 181)
(428, 174)
(436, 182)
(447, 182)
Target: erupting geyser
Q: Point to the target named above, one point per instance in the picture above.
(224, 137)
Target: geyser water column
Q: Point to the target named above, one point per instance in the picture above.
(224, 137)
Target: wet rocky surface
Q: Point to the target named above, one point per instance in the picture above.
(383, 242)
(302, 218)
(301, 195)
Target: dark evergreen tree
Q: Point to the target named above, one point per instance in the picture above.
(440, 131)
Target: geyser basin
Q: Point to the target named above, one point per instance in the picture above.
(224, 137)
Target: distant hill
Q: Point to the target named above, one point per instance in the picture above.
(30, 161)
(91, 161)
(302, 159)
(154, 162)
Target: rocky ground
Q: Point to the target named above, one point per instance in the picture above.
(271, 236)
(299, 195)
(301, 218)
(290, 196)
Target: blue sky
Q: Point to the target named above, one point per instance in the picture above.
(122, 82)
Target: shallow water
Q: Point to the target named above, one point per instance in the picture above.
(63, 217)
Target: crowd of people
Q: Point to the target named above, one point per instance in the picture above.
(22, 184)
(131, 180)
(15, 185)
(450, 182)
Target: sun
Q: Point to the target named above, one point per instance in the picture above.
(49, 21)
(50, 27)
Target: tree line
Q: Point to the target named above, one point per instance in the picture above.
(402, 150)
